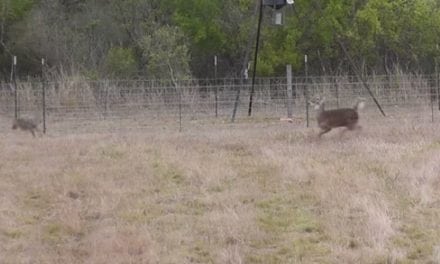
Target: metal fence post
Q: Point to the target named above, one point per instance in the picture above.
(437, 82)
(106, 87)
(43, 84)
(237, 99)
(432, 96)
(215, 86)
(337, 91)
(14, 79)
(289, 90)
(306, 92)
(179, 90)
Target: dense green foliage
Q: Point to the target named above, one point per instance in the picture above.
(159, 39)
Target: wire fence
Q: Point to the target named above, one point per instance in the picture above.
(81, 105)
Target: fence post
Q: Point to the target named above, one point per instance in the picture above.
(243, 82)
(432, 95)
(251, 93)
(437, 82)
(179, 90)
(306, 92)
(289, 90)
(106, 87)
(337, 91)
(43, 84)
(14, 79)
(215, 86)
(237, 99)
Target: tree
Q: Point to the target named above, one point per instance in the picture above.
(85, 36)
(166, 54)
(11, 11)
(215, 28)
(120, 63)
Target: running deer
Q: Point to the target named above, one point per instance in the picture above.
(341, 117)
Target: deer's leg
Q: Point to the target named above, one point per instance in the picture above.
(33, 133)
(354, 127)
(324, 130)
(40, 133)
(358, 129)
(345, 130)
(351, 127)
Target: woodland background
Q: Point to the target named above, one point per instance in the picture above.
(155, 39)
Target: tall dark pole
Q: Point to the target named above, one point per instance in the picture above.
(43, 83)
(359, 76)
(437, 82)
(237, 99)
(245, 66)
(306, 89)
(216, 86)
(260, 18)
(14, 79)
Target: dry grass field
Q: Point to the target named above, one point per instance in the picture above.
(249, 193)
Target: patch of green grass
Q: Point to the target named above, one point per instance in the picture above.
(238, 149)
(112, 152)
(314, 163)
(294, 136)
(76, 179)
(301, 250)
(310, 247)
(146, 213)
(196, 207)
(378, 169)
(13, 233)
(267, 259)
(418, 241)
(292, 233)
(165, 170)
(29, 219)
(279, 215)
(52, 232)
(200, 254)
(262, 172)
(142, 212)
(55, 232)
(249, 165)
(216, 189)
(37, 199)
(433, 145)
(138, 216)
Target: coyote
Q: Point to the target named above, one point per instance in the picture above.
(342, 117)
(25, 124)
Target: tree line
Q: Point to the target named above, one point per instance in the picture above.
(179, 38)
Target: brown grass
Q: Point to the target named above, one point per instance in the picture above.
(241, 194)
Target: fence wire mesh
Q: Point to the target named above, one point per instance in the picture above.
(109, 105)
